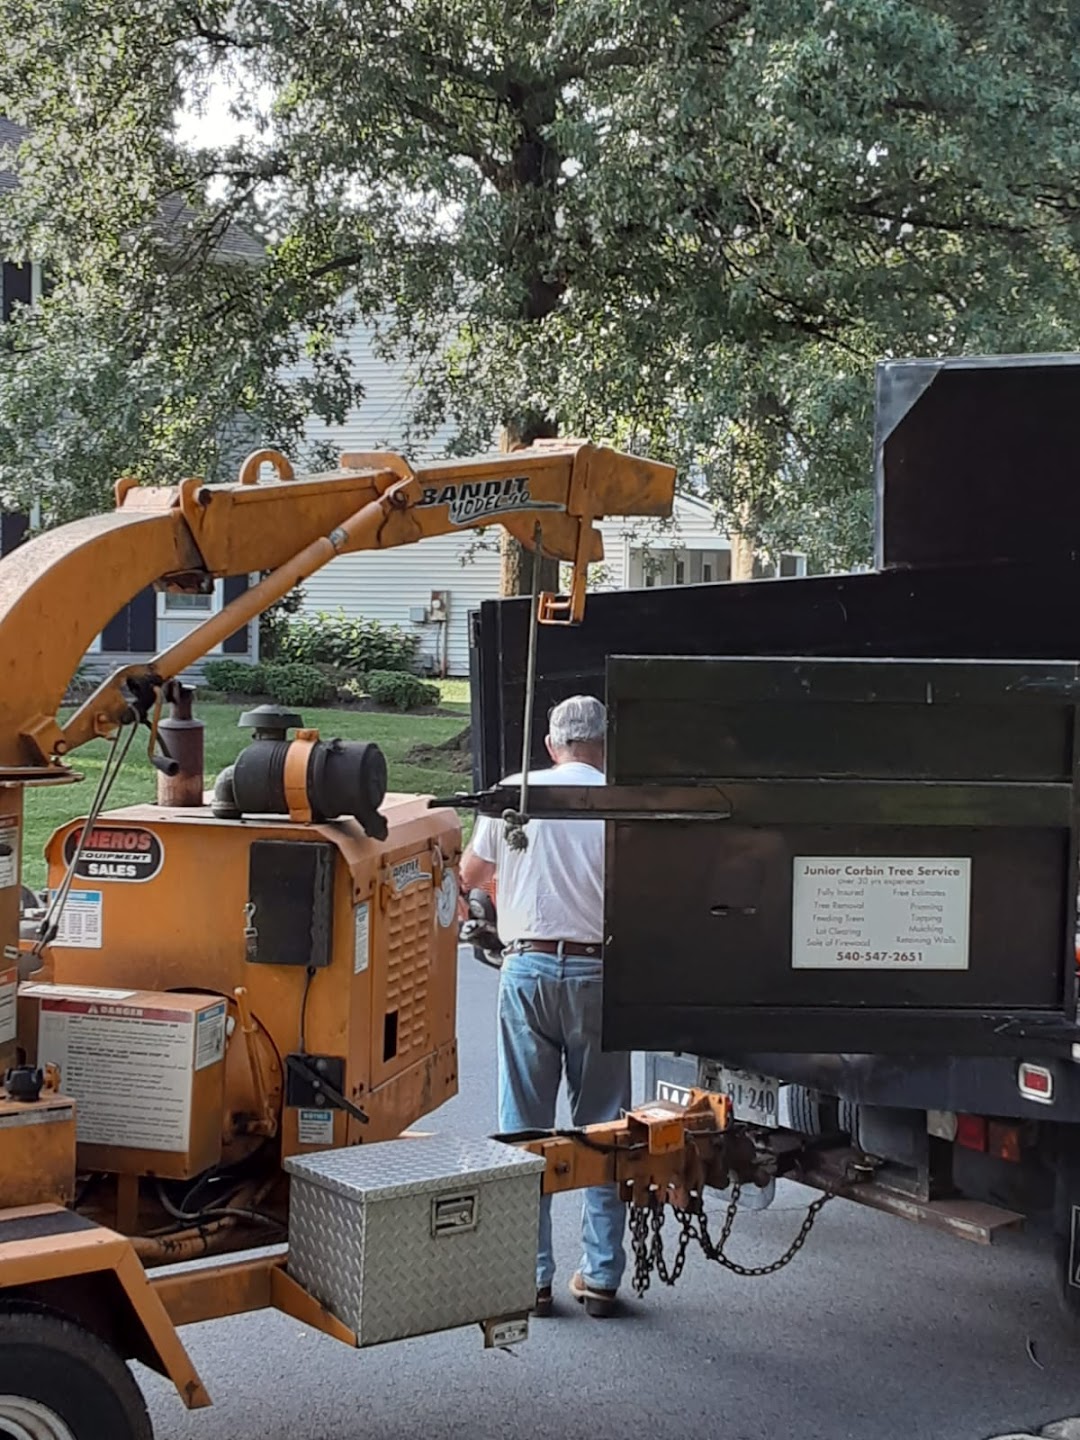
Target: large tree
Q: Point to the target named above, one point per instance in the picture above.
(684, 226)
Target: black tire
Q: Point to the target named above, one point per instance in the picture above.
(811, 1113)
(847, 1119)
(55, 1364)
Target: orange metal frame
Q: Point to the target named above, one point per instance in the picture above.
(656, 1152)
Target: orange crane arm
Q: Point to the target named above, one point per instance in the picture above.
(60, 590)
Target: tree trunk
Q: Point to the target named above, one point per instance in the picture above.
(517, 561)
(742, 557)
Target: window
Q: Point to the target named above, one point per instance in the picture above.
(706, 571)
(650, 580)
(203, 603)
(680, 572)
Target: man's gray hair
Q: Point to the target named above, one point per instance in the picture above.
(578, 720)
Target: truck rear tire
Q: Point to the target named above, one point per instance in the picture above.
(811, 1113)
(60, 1382)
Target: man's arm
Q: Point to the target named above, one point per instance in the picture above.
(478, 861)
(476, 874)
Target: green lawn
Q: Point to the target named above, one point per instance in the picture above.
(48, 807)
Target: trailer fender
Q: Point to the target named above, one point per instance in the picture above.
(57, 1258)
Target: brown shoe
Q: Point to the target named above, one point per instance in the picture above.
(598, 1303)
(545, 1303)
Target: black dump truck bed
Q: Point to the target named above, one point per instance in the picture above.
(852, 799)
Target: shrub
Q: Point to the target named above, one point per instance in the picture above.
(234, 677)
(275, 620)
(395, 687)
(348, 684)
(348, 643)
(296, 684)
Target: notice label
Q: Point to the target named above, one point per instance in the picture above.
(362, 937)
(408, 872)
(9, 989)
(880, 913)
(316, 1127)
(127, 1067)
(9, 851)
(74, 992)
(80, 920)
(210, 1037)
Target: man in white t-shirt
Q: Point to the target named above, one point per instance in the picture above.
(551, 921)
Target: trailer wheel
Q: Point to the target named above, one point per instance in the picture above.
(60, 1382)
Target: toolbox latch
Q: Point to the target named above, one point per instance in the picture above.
(453, 1214)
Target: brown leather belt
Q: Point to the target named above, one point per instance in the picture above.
(557, 947)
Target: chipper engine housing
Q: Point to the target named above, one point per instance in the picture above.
(257, 982)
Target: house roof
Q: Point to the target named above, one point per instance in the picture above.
(234, 242)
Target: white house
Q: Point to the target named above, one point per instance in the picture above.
(450, 575)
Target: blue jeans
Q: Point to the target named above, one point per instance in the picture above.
(549, 1016)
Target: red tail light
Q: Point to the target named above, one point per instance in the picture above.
(971, 1132)
(1004, 1140)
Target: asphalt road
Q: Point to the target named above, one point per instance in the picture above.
(878, 1329)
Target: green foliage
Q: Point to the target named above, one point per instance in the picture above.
(403, 691)
(235, 677)
(348, 642)
(293, 683)
(689, 230)
(274, 623)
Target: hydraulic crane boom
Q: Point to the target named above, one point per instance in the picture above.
(60, 590)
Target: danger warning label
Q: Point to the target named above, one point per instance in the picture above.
(116, 852)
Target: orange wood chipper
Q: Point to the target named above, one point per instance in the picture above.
(234, 1007)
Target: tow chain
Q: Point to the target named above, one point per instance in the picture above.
(646, 1233)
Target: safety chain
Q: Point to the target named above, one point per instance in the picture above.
(648, 1248)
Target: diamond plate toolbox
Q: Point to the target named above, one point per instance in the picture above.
(411, 1236)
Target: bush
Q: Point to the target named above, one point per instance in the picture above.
(234, 677)
(297, 684)
(348, 684)
(275, 620)
(395, 687)
(347, 643)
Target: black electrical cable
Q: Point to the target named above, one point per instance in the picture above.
(213, 1212)
(303, 1007)
(223, 1172)
(520, 1137)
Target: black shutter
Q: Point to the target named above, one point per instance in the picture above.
(13, 528)
(239, 642)
(17, 287)
(134, 630)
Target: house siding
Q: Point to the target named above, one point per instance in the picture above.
(380, 421)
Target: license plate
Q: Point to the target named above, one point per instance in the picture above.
(755, 1098)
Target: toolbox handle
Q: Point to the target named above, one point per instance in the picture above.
(455, 1213)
